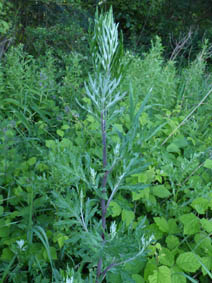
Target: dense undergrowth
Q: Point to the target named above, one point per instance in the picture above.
(51, 156)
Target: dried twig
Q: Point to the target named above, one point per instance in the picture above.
(181, 44)
(189, 115)
(4, 45)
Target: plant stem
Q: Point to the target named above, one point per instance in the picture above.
(104, 161)
(104, 183)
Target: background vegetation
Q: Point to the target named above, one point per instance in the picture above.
(49, 144)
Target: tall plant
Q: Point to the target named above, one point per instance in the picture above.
(101, 243)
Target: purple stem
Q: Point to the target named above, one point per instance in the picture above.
(104, 183)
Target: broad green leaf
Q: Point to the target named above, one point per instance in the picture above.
(208, 163)
(90, 118)
(154, 248)
(161, 191)
(6, 254)
(180, 141)
(166, 257)
(162, 224)
(195, 180)
(135, 266)
(173, 148)
(203, 241)
(150, 267)
(200, 205)
(115, 209)
(118, 127)
(173, 228)
(144, 194)
(127, 216)
(188, 262)
(32, 161)
(61, 240)
(50, 143)
(114, 277)
(191, 223)
(172, 242)
(60, 133)
(147, 176)
(161, 275)
(177, 275)
(206, 224)
(206, 263)
(66, 143)
(153, 229)
(138, 278)
(65, 127)
(142, 177)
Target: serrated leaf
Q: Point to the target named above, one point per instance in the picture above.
(144, 194)
(160, 191)
(149, 269)
(154, 230)
(200, 205)
(147, 176)
(177, 275)
(61, 240)
(172, 242)
(191, 223)
(115, 209)
(203, 241)
(162, 224)
(166, 257)
(173, 228)
(142, 177)
(188, 262)
(208, 163)
(206, 224)
(161, 275)
(127, 216)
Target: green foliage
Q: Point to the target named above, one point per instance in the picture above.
(181, 25)
(5, 22)
(158, 159)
